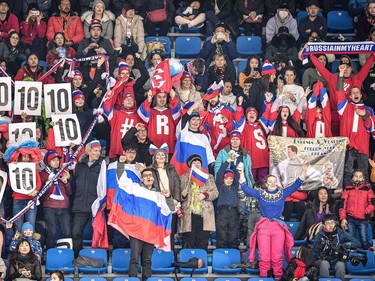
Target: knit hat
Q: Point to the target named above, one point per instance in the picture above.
(192, 158)
(122, 65)
(50, 155)
(95, 23)
(251, 109)
(228, 173)
(267, 68)
(235, 134)
(94, 143)
(26, 225)
(312, 2)
(186, 75)
(5, 1)
(78, 73)
(96, 2)
(347, 63)
(77, 94)
(284, 5)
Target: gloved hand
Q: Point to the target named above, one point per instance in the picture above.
(98, 111)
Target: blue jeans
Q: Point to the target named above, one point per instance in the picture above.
(30, 215)
(52, 218)
(360, 225)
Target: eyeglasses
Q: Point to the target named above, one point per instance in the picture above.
(147, 176)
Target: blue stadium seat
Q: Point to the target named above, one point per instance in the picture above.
(260, 279)
(340, 21)
(160, 279)
(163, 39)
(41, 63)
(253, 271)
(360, 269)
(60, 259)
(329, 279)
(249, 45)
(187, 47)
(186, 254)
(241, 66)
(358, 279)
(227, 279)
(92, 279)
(193, 279)
(87, 234)
(126, 279)
(162, 261)
(223, 258)
(303, 14)
(293, 227)
(294, 252)
(95, 254)
(120, 260)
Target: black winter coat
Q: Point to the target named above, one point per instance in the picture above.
(86, 179)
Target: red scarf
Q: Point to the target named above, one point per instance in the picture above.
(300, 270)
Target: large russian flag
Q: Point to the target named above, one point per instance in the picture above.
(141, 213)
(189, 143)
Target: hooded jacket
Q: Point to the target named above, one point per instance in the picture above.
(107, 23)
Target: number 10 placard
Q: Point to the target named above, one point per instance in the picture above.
(66, 129)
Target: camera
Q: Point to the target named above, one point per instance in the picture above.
(35, 13)
(332, 251)
(129, 41)
(315, 39)
(220, 36)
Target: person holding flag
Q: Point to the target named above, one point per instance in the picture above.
(198, 192)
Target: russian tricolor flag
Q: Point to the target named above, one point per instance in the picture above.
(141, 213)
(198, 176)
(189, 143)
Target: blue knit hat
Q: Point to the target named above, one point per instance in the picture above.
(27, 225)
(267, 68)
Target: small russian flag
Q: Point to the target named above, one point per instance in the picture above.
(198, 176)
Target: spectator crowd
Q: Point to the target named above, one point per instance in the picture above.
(98, 48)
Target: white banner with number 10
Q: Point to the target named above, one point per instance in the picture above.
(22, 177)
(66, 129)
(28, 98)
(57, 99)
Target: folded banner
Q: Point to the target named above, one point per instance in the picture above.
(326, 157)
(338, 48)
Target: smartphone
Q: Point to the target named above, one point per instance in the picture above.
(35, 13)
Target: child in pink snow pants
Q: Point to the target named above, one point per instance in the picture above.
(271, 234)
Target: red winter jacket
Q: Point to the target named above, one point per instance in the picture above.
(10, 22)
(357, 201)
(73, 28)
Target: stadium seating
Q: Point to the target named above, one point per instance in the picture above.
(187, 47)
(361, 269)
(340, 21)
(126, 279)
(227, 279)
(193, 279)
(253, 271)
(59, 259)
(223, 258)
(162, 262)
(260, 279)
(160, 279)
(92, 279)
(293, 227)
(186, 254)
(94, 254)
(120, 260)
(249, 45)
